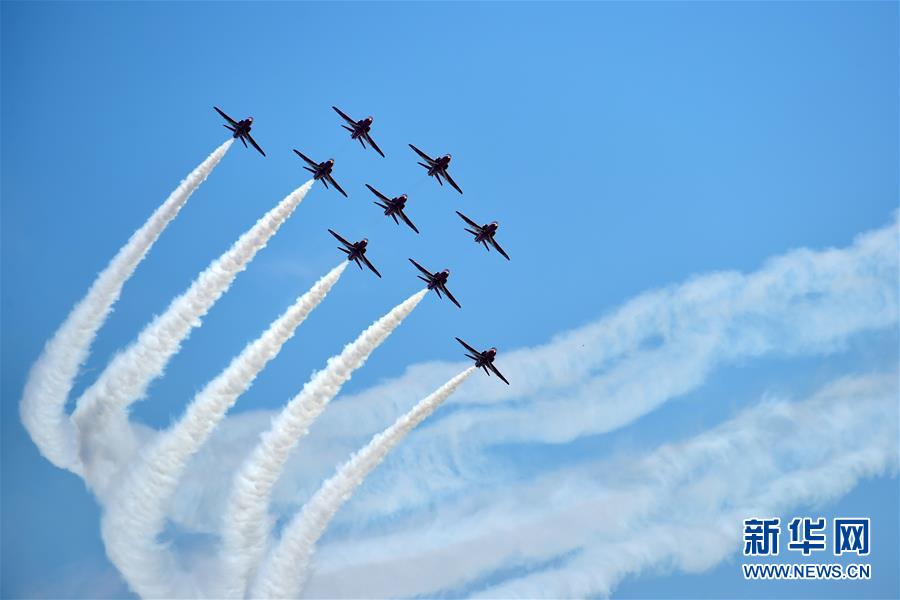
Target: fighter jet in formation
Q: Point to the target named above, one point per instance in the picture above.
(240, 129)
(484, 234)
(355, 251)
(437, 167)
(484, 360)
(436, 281)
(359, 130)
(321, 171)
(393, 207)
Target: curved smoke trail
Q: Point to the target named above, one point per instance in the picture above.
(47, 389)
(246, 522)
(100, 413)
(284, 573)
(136, 515)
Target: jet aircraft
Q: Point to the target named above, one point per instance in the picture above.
(355, 251)
(240, 129)
(393, 207)
(484, 360)
(436, 281)
(359, 130)
(437, 167)
(484, 234)
(321, 171)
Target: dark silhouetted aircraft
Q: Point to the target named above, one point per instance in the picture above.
(437, 167)
(240, 129)
(393, 207)
(436, 281)
(321, 171)
(356, 251)
(484, 234)
(359, 130)
(484, 360)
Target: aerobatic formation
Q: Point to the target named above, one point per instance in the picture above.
(134, 476)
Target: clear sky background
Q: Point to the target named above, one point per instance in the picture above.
(622, 147)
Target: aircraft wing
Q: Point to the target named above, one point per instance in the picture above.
(499, 249)
(374, 145)
(336, 186)
(224, 116)
(421, 268)
(427, 158)
(497, 373)
(377, 193)
(451, 182)
(469, 221)
(370, 265)
(452, 299)
(340, 239)
(255, 145)
(408, 222)
(468, 347)
(344, 115)
(309, 161)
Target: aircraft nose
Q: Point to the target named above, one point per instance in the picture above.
(250, 119)
(403, 197)
(365, 241)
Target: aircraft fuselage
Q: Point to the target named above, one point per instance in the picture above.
(395, 205)
(358, 250)
(440, 166)
(487, 232)
(439, 280)
(324, 169)
(486, 358)
(362, 127)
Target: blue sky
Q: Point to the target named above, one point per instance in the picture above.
(621, 147)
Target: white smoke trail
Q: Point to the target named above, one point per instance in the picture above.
(700, 541)
(603, 515)
(803, 303)
(136, 515)
(246, 523)
(100, 415)
(284, 572)
(47, 389)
